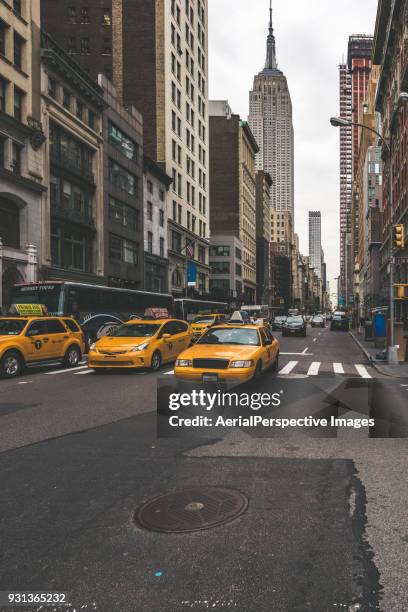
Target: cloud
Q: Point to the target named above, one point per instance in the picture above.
(311, 38)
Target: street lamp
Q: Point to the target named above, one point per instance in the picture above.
(341, 122)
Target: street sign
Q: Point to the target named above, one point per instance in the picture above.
(342, 301)
(401, 260)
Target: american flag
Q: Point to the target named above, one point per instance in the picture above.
(190, 249)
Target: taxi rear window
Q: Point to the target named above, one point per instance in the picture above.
(72, 325)
(12, 327)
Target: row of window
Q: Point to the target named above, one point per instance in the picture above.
(12, 100)
(150, 216)
(13, 164)
(123, 143)
(177, 247)
(84, 46)
(18, 57)
(74, 105)
(83, 15)
(224, 251)
(150, 244)
(122, 179)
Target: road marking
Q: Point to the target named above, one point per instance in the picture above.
(297, 354)
(86, 372)
(314, 339)
(169, 373)
(67, 370)
(338, 368)
(305, 351)
(25, 382)
(288, 367)
(314, 368)
(362, 371)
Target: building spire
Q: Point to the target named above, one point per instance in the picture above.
(270, 44)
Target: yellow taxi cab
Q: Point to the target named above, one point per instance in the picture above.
(141, 344)
(201, 323)
(37, 340)
(231, 352)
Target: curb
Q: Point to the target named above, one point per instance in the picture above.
(371, 360)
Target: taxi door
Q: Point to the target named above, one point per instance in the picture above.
(182, 337)
(275, 344)
(37, 341)
(58, 337)
(267, 348)
(166, 345)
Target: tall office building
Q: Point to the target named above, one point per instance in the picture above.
(346, 172)
(315, 242)
(270, 119)
(156, 54)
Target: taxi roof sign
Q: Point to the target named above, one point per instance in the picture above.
(29, 310)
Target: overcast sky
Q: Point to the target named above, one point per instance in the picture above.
(311, 37)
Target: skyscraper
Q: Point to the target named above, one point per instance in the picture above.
(315, 241)
(346, 172)
(270, 119)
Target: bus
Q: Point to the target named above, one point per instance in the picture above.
(259, 311)
(97, 308)
(187, 309)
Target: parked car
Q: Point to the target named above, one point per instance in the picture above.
(317, 321)
(294, 326)
(340, 321)
(278, 323)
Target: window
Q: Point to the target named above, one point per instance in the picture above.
(3, 32)
(161, 247)
(123, 214)
(161, 195)
(106, 46)
(161, 218)
(150, 242)
(71, 249)
(17, 7)
(16, 161)
(85, 48)
(107, 19)
(238, 269)
(220, 267)
(66, 99)
(18, 51)
(2, 147)
(71, 14)
(150, 211)
(10, 223)
(120, 141)
(72, 44)
(79, 109)
(123, 250)
(91, 119)
(18, 104)
(55, 327)
(219, 251)
(150, 186)
(85, 15)
(122, 179)
(176, 241)
(238, 253)
(3, 95)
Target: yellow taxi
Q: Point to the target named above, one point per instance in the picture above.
(201, 323)
(28, 341)
(141, 344)
(231, 353)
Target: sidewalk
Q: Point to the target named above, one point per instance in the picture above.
(398, 371)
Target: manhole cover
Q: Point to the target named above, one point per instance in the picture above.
(191, 510)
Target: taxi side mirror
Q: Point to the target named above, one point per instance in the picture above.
(166, 336)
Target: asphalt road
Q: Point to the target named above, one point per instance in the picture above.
(325, 529)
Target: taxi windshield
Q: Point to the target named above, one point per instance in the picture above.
(136, 330)
(294, 320)
(204, 319)
(12, 327)
(231, 335)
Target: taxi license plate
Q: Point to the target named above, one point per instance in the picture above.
(210, 377)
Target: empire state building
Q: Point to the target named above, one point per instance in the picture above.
(270, 119)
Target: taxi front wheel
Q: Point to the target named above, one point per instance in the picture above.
(11, 365)
(156, 361)
(72, 357)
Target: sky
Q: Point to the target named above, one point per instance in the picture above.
(311, 39)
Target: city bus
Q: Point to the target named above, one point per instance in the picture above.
(97, 308)
(187, 309)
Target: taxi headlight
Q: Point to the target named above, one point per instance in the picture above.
(92, 346)
(242, 364)
(184, 363)
(140, 347)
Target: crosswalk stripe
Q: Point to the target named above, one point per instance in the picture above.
(338, 368)
(314, 368)
(169, 373)
(362, 371)
(67, 370)
(288, 367)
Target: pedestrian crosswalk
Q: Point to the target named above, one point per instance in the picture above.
(318, 368)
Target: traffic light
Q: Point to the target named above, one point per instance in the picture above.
(401, 292)
(399, 236)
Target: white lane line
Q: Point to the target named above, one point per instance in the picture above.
(67, 370)
(169, 373)
(362, 371)
(314, 368)
(297, 354)
(86, 372)
(288, 367)
(305, 351)
(25, 382)
(314, 339)
(338, 368)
